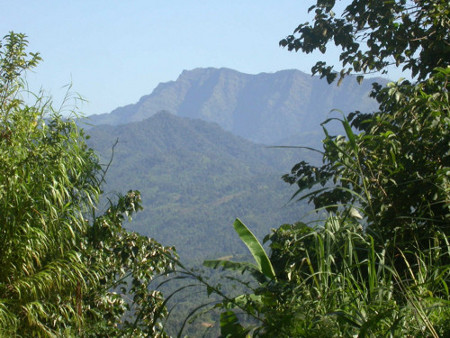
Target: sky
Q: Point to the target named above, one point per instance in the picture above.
(114, 52)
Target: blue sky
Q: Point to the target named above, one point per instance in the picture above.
(114, 52)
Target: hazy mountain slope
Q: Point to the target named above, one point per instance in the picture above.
(264, 108)
(195, 179)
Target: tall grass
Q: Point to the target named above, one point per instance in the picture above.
(333, 281)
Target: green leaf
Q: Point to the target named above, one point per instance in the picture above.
(230, 265)
(256, 249)
(230, 326)
(349, 132)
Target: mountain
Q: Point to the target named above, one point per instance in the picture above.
(195, 179)
(200, 166)
(264, 108)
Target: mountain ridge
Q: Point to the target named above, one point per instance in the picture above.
(263, 108)
(195, 149)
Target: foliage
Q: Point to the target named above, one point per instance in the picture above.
(331, 281)
(263, 267)
(123, 301)
(397, 168)
(375, 34)
(345, 285)
(59, 261)
(47, 180)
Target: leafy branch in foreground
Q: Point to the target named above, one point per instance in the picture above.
(396, 169)
(375, 34)
(60, 263)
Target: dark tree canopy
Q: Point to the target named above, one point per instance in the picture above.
(396, 169)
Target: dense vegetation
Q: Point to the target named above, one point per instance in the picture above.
(195, 179)
(61, 259)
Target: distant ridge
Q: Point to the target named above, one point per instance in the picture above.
(264, 108)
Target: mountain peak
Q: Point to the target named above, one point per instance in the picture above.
(206, 71)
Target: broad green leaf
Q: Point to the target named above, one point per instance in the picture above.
(256, 249)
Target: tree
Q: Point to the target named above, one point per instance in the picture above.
(123, 301)
(60, 262)
(376, 34)
(396, 168)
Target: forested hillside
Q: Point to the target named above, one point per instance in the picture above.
(195, 179)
